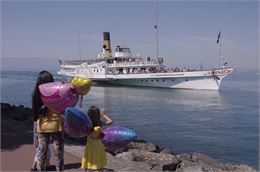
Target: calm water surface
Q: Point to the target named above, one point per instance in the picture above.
(222, 124)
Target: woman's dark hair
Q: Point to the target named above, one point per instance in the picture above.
(43, 77)
(94, 115)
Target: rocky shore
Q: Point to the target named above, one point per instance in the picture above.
(136, 156)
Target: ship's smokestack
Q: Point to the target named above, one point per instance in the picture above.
(106, 45)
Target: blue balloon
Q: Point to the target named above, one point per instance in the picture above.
(117, 137)
(77, 123)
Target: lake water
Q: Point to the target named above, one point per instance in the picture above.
(223, 124)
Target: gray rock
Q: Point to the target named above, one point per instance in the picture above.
(158, 161)
(118, 164)
(189, 166)
(5, 107)
(200, 162)
(166, 151)
(18, 113)
(150, 147)
(121, 150)
(245, 168)
(169, 167)
(138, 144)
(198, 157)
(237, 168)
(184, 156)
(129, 156)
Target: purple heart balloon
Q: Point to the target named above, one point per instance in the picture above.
(117, 137)
(58, 96)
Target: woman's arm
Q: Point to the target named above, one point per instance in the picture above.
(105, 119)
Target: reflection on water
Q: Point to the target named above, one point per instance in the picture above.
(187, 97)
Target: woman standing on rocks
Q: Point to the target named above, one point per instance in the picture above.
(49, 124)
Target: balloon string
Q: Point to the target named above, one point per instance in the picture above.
(81, 100)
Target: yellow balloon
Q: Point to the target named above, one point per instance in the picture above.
(81, 84)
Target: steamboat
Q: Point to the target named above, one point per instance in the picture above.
(121, 67)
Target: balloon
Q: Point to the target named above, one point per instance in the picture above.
(77, 123)
(81, 84)
(117, 137)
(58, 96)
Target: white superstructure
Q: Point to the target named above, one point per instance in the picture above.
(122, 68)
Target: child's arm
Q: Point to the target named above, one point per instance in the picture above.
(106, 120)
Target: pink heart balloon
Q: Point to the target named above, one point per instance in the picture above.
(58, 96)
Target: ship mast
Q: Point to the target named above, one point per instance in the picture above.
(157, 33)
(219, 41)
(79, 45)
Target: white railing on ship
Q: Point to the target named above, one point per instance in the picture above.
(126, 64)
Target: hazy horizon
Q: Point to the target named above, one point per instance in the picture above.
(37, 64)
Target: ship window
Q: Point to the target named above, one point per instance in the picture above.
(126, 50)
(157, 80)
(163, 80)
(141, 80)
(152, 80)
(146, 80)
(97, 70)
(186, 79)
(172, 79)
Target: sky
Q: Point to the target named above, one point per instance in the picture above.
(35, 34)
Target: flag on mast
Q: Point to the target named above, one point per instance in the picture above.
(218, 37)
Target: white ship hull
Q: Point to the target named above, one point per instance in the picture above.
(179, 83)
(204, 80)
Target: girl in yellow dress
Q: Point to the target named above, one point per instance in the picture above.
(95, 156)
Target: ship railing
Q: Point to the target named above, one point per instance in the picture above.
(129, 64)
(161, 70)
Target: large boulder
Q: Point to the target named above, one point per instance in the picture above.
(18, 113)
(138, 144)
(201, 158)
(200, 163)
(166, 151)
(158, 161)
(183, 157)
(119, 164)
(150, 147)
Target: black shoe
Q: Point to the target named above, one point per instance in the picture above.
(50, 168)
